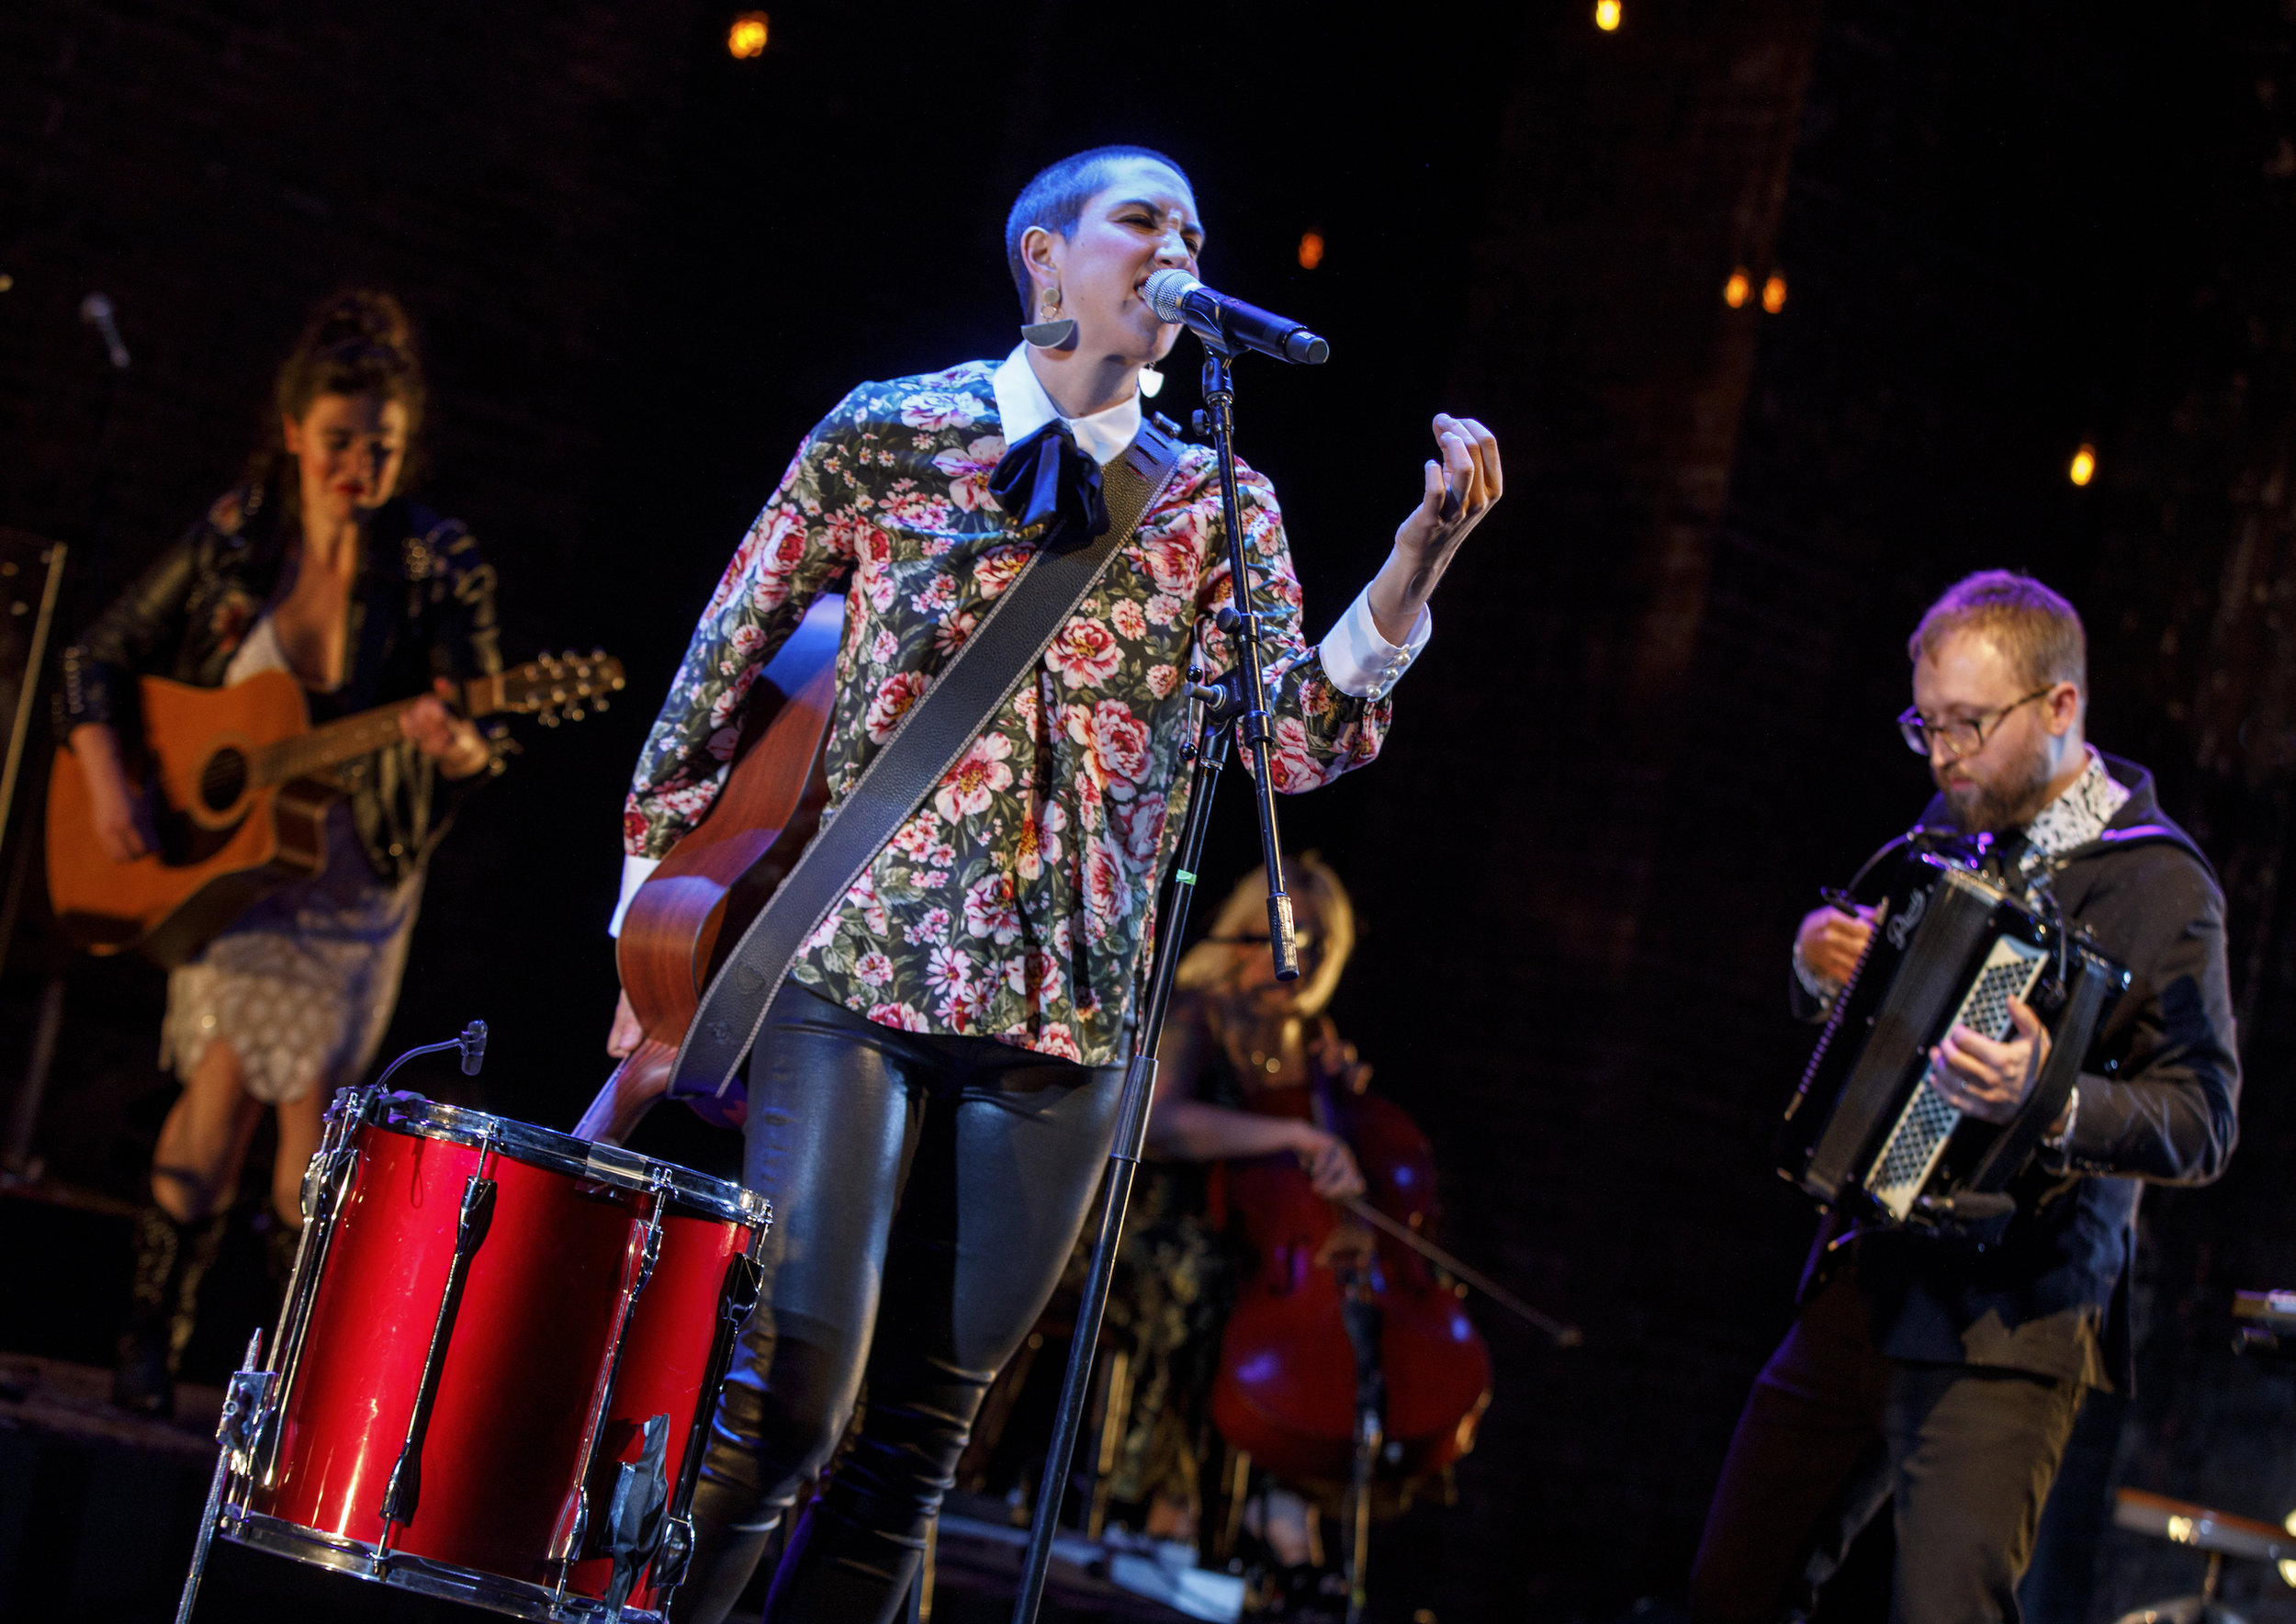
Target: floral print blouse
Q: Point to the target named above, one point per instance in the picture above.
(1015, 902)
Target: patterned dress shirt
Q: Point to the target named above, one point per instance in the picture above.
(1015, 902)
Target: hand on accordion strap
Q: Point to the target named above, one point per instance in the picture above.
(1988, 1081)
(1832, 941)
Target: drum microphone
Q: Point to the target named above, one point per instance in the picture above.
(97, 311)
(473, 1045)
(1175, 296)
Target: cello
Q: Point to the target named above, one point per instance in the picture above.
(1335, 1314)
(1349, 1360)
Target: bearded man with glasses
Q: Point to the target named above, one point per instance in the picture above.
(1922, 1373)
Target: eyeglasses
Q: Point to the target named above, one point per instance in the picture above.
(1964, 736)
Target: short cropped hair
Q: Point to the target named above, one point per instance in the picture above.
(2035, 628)
(1055, 199)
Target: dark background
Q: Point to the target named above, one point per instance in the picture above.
(1655, 717)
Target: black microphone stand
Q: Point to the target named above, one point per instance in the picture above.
(1238, 702)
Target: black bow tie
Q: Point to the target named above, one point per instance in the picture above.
(1046, 479)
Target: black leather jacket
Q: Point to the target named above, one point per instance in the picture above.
(422, 606)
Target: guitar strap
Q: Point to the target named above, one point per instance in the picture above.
(935, 734)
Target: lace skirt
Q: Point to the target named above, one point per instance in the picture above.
(302, 984)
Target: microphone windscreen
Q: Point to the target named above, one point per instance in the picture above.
(474, 1047)
(1165, 290)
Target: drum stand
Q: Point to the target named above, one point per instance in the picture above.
(244, 1400)
(1239, 701)
(2219, 1533)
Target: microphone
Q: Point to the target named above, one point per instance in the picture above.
(1175, 296)
(474, 1047)
(97, 311)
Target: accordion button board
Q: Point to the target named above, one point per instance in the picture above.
(1910, 1153)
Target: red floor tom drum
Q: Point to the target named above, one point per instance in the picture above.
(499, 1352)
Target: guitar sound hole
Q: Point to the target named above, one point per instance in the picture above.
(224, 780)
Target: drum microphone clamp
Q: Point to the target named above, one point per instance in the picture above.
(473, 1045)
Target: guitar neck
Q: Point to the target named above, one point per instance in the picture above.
(316, 752)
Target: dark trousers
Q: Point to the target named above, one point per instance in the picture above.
(926, 1193)
(1834, 1430)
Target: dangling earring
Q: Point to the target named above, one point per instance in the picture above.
(1051, 330)
(1151, 381)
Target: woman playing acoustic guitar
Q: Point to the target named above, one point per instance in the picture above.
(318, 567)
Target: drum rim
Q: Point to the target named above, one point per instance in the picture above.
(423, 1574)
(419, 1117)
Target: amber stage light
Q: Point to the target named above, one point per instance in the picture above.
(1606, 15)
(2084, 466)
(746, 38)
(1773, 294)
(1311, 251)
(1735, 290)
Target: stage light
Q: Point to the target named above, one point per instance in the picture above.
(2084, 466)
(1606, 16)
(746, 38)
(1311, 251)
(1773, 294)
(1735, 290)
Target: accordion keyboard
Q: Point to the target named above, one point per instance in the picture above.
(1910, 1153)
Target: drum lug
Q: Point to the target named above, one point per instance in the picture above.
(675, 1552)
(573, 1523)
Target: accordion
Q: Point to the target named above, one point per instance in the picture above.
(1867, 1132)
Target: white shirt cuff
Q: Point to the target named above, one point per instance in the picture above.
(1362, 663)
(636, 871)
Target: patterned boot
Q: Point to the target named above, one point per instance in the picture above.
(171, 1259)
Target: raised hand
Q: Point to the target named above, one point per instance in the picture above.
(1458, 488)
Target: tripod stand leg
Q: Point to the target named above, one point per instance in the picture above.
(1368, 1437)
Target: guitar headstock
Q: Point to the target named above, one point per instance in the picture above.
(562, 686)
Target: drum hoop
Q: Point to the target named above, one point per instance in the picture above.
(554, 1152)
(404, 1571)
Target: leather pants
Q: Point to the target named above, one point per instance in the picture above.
(925, 1191)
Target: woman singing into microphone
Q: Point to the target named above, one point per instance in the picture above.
(931, 1097)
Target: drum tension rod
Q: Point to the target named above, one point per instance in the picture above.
(470, 1229)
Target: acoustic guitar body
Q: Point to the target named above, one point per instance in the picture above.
(218, 841)
(692, 909)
